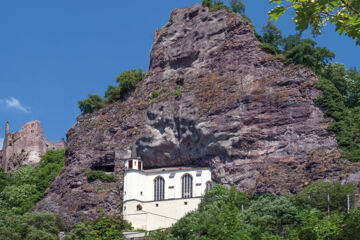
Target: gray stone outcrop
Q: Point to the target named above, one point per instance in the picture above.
(223, 103)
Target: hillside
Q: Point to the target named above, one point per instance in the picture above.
(222, 102)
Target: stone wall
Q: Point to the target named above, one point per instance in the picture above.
(25, 146)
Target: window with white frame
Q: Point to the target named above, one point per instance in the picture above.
(187, 186)
(159, 188)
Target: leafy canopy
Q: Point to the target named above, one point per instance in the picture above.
(221, 216)
(237, 6)
(127, 82)
(344, 14)
(90, 104)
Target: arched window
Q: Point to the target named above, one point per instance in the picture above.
(187, 186)
(159, 188)
(208, 186)
(138, 207)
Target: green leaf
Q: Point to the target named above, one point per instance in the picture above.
(276, 13)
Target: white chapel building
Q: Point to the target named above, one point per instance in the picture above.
(157, 198)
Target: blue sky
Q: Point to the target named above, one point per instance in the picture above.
(54, 53)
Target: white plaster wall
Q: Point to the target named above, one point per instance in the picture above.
(159, 214)
(139, 185)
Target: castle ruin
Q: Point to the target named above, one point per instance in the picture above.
(25, 146)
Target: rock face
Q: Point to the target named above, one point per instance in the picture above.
(26, 146)
(223, 103)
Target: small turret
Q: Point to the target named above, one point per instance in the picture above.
(7, 127)
(133, 164)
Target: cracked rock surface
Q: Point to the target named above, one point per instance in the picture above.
(223, 103)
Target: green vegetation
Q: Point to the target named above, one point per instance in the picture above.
(162, 93)
(237, 6)
(90, 104)
(340, 86)
(20, 191)
(93, 175)
(214, 5)
(343, 14)
(230, 214)
(127, 82)
(154, 94)
(103, 228)
(23, 188)
(36, 226)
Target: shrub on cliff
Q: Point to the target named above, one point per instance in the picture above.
(214, 5)
(93, 175)
(90, 104)
(127, 81)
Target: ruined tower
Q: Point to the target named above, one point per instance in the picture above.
(7, 128)
(25, 146)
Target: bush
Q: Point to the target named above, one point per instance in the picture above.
(104, 228)
(270, 48)
(36, 226)
(154, 94)
(4, 179)
(27, 185)
(127, 81)
(214, 5)
(270, 213)
(93, 175)
(92, 103)
(316, 196)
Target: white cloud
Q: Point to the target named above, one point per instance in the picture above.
(14, 103)
(1, 143)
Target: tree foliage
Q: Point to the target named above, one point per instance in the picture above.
(90, 104)
(103, 228)
(214, 5)
(27, 185)
(267, 216)
(344, 14)
(127, 81)
(237, 6)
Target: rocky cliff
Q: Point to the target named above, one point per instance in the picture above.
(223, 103)
(25, 146)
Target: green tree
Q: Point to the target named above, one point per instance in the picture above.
(270, 213)
(316, 196)
(127, 81)
(306, 53)
(214, 5)
(271, 34)
(19, 199)
(237, 6)
(352, 225)
(314, 225)
(344, 14)
(4, 179)
(92, 103)
(271, 38)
